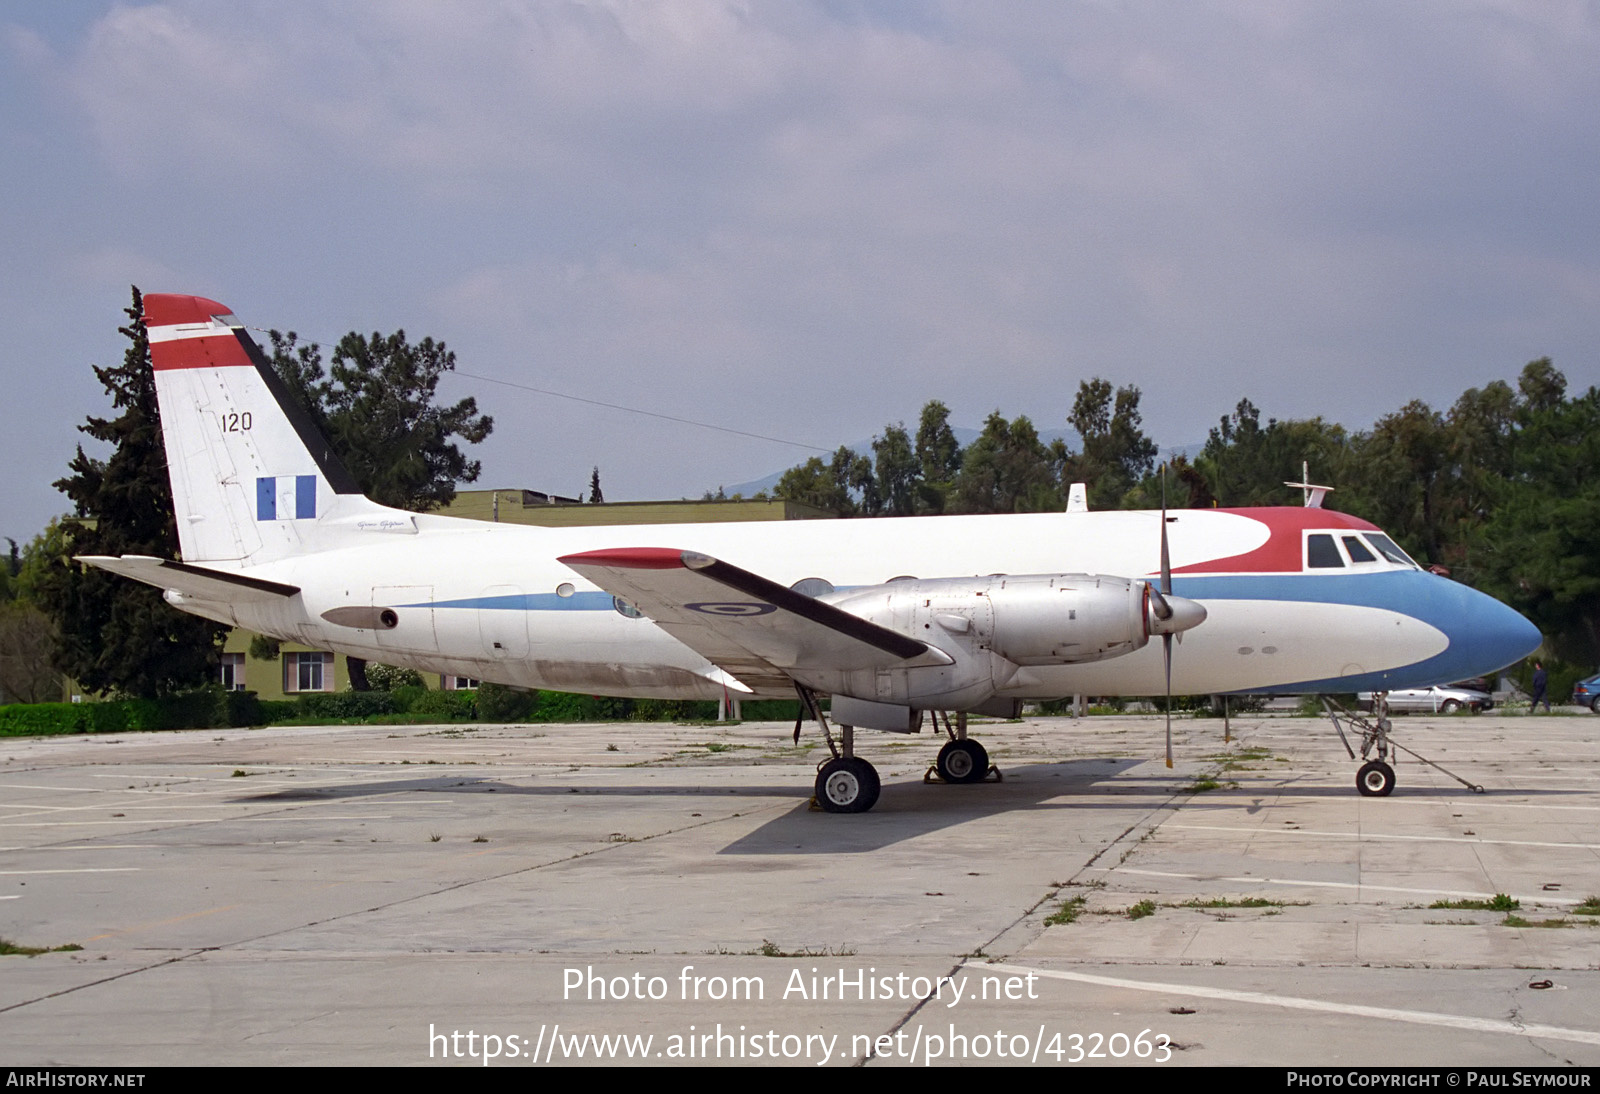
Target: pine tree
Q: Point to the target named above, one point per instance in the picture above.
(118, 636)
(375, 405)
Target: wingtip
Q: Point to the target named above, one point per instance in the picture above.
(631, 558)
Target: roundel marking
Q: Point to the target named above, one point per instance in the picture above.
(731, 608)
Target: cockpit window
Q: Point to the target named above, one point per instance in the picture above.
(1358, 550)
(1322, 553)
(1386, 547)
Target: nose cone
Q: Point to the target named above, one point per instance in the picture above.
(1486, 636)
(1185, 614)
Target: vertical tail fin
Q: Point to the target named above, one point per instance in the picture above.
(253, 479)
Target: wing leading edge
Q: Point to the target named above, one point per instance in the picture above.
(195, 581)
(752, 627)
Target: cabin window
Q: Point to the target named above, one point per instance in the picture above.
(1358, 550)
(1322, 553)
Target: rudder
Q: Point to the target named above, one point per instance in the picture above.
(253, 479)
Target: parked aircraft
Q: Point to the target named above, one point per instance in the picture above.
(894, 618)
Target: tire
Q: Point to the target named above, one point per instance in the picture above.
(847, 785)
(963, 762)
(1595, 706)
(1375, 779)
(1450, 706)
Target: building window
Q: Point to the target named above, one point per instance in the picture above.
(232, 672)
(458, 683)
(307, 672)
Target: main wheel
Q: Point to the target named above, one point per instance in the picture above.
(847, 785)
(964, 761)
(1375, 779)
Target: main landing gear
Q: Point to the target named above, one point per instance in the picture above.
(1375, 778)
(848, 784)
(961, 760)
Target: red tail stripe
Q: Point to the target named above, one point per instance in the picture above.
(219, 350)
(163, 309)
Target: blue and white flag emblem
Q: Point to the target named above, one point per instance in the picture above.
(286, 497)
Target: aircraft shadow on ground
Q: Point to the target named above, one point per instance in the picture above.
(1019, 782)
(907, 808)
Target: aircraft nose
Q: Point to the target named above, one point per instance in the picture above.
(1494, 635)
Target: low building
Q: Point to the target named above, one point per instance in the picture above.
(552, 511)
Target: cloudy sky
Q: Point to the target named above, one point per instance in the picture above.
(804, 220)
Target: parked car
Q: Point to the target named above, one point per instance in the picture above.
(1586, 693)
(1439, 699)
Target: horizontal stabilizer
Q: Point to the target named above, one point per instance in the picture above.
(752, 627)
(196, 582)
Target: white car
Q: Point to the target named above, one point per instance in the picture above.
(1439, 699)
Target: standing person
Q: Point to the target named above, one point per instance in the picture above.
(1541, 681)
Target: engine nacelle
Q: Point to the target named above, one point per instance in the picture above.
(1067, 619)
(992, 626)
(1034, 619)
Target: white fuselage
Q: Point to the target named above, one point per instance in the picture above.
(491, 601)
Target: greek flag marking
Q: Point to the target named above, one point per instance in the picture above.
(286, 497)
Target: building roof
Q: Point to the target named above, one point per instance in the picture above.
(534, 507)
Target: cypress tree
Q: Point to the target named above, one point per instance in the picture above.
(118, 636)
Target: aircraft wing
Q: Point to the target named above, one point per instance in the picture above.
(747, 625)
(192, 581)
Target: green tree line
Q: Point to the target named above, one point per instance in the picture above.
(1501, 491)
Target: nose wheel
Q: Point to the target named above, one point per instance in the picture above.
(1375, 779)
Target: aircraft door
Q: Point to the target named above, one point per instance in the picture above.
(503, 622)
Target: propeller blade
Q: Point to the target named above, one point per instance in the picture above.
(1166, 559)
(1166, 653)
(1166, 591)
(1158, 603)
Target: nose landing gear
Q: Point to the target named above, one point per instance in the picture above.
(1375, 778)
